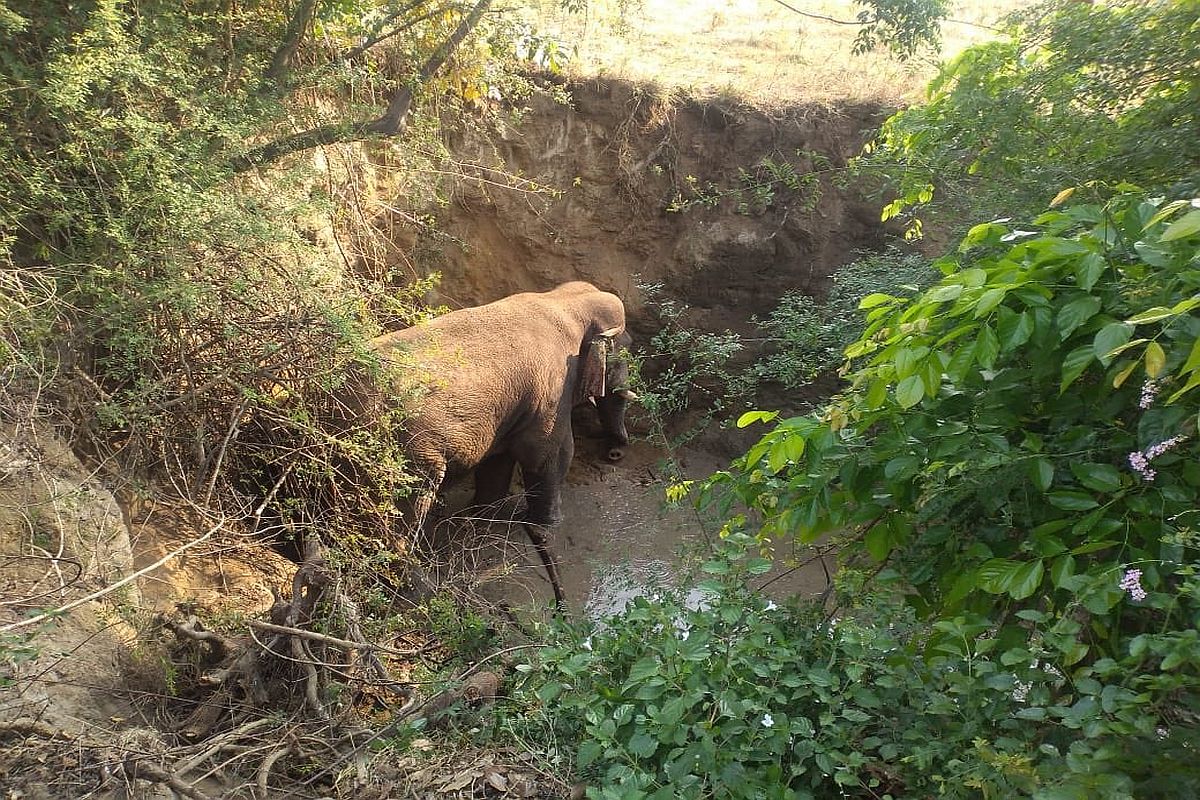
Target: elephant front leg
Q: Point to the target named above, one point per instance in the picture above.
(540, 538)
(544, 482)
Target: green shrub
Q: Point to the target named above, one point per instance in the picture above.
(1016, 456)
(808, 336)
(1075, 94)
(741, 698)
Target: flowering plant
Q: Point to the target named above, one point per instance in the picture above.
(996, 458)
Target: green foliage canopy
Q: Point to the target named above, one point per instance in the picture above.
(1014, 442)
(1075, 94)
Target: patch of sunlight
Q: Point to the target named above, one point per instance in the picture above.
(756, 50)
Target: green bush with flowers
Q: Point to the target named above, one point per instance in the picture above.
(1012, 477)
(1016, 455)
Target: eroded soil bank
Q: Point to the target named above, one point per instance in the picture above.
(724, 208)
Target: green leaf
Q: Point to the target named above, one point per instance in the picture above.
(786, 450)
(1193, 359)
(589, 751)
(1088, 270)
(644, 667)
(875, 299)
(548, 691)
(910, 391)
(1062, 569)
(1192, 383)
(876, 394)
(1026, 579)
(987, 347)
(944, 293)
(1015, 331)
(973, 277)
(1187, 225)
(642, 744)
(1099, 477)
(1156, 359)
(961, 363)
(758, 565)
(879, 542)
(1150, 315)
(750, 417)
(1074, 364)
(1109, 338)
(988, 301)
(1187, 304)
(996, 575)
(1042, 472)
(906, 360)
(1076, 313)
(1072, 501)
(1124, 374)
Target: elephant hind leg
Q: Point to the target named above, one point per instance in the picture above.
(538, 535)
(493, 479)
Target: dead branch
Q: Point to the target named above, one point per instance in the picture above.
(141, 768)
(345, 644)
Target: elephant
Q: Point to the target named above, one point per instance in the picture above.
(491, 387)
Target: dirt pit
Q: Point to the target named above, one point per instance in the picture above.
(716, 209)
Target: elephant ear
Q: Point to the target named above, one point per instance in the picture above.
(593, 369)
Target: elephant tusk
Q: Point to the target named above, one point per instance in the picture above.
(628, 394)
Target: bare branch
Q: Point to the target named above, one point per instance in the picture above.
(345, 644)
(810, 15)
(393, 121)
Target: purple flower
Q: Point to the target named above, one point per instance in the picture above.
(1157, 450)
(1141, 461)
(1141, 465)
(1132, 582)
(1149, 391)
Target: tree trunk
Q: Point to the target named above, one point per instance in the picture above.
(281, 62)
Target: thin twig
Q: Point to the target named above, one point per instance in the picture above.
(113, 587)
(346, 644)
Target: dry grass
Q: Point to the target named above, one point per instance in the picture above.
(756, 50)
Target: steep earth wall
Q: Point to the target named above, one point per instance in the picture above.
(619, 155)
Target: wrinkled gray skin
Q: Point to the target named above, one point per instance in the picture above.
(497, 385)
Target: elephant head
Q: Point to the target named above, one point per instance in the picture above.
(605, 383)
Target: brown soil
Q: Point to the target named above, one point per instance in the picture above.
(619, 155)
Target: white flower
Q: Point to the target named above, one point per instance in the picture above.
(587, 644)
(767, 720)
(770, 606)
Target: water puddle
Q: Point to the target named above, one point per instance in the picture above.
(618, 541)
